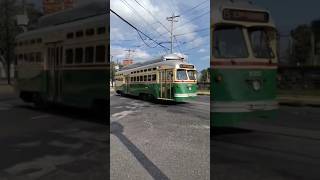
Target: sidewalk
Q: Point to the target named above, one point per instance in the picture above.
(289, 100)
(204, 93)
(5, 88)
(299, 100)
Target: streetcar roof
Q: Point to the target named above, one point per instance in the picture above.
(220, 5)
(168, 64)
(92, 11)
(164, 58)
(92, 8)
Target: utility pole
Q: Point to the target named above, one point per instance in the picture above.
(173, 20)
(129, 52)
(7, 39)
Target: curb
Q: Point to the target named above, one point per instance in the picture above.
(299, 102)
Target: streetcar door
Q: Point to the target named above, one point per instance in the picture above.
(127, 84)
(166, 84)
(54, 86)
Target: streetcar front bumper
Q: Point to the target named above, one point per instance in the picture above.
(232, 113)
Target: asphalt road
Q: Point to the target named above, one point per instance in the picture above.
(159, 141)
(284, 148)
(57, 143)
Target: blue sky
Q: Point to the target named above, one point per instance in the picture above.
(152, 21)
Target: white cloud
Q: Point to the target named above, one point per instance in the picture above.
(202, 50)
(120, 53)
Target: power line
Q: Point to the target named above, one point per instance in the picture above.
(199, 30)
(195, 18)
(138, 30)
(190, 9)
(137, 13)
(153, 16)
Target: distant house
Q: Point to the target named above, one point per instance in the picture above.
(127, 62)
(52, 6)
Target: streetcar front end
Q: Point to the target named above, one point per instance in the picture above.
(244, 67)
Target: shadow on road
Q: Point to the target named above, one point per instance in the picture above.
(72, 112)
(153, 170)
(216, 131)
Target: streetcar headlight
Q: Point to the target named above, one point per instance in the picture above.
(256, 85)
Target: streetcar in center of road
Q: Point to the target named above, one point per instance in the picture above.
(243, 63)
(168, 78)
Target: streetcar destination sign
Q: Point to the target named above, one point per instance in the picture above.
(245, 15)
(186, 66)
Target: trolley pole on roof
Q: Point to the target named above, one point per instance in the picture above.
(173, 20)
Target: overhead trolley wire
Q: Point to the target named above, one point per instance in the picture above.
(190, 9)
(138, 30)
(137, 13)
(152, 16)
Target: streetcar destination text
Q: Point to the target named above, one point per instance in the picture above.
(243, 15)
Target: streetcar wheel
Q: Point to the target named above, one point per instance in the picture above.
(38, 101)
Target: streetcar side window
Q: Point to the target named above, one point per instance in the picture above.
(149, 77)
(79, 55)
(25, 57)
(70, 35)
(101, 30)
(145, 78)
(20, 58)
(141, 78)
(100, 53)
(90, 32)
(69, 56)
(154, 77)
(39, 57)
(89, 54)
(31, 57)
(79, 34)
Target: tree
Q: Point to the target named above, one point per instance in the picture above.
(301, 48)
(9, 29)
(205, 75)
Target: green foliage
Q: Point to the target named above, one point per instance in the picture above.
(302, 44)
(205, 75)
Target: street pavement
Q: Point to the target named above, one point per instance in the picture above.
(284, 148)
(159, 141)
(57, 143)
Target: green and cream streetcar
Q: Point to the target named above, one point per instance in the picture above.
(167, 78)
(243, 62)
(64, 60)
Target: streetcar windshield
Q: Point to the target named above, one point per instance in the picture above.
(260, 42)
(182, 74)
(229, 42)
(192, 74)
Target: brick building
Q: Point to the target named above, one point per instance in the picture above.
(52, 6)
(127, 62)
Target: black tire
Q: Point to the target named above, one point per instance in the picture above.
(39, 102)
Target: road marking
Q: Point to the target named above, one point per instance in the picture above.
(5, 107)
(40, 166)
(40, 117)
(200, 103)
(122, 114)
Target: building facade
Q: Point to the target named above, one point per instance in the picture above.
(52, 6)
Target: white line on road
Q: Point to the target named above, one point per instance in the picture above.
(40, 117)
